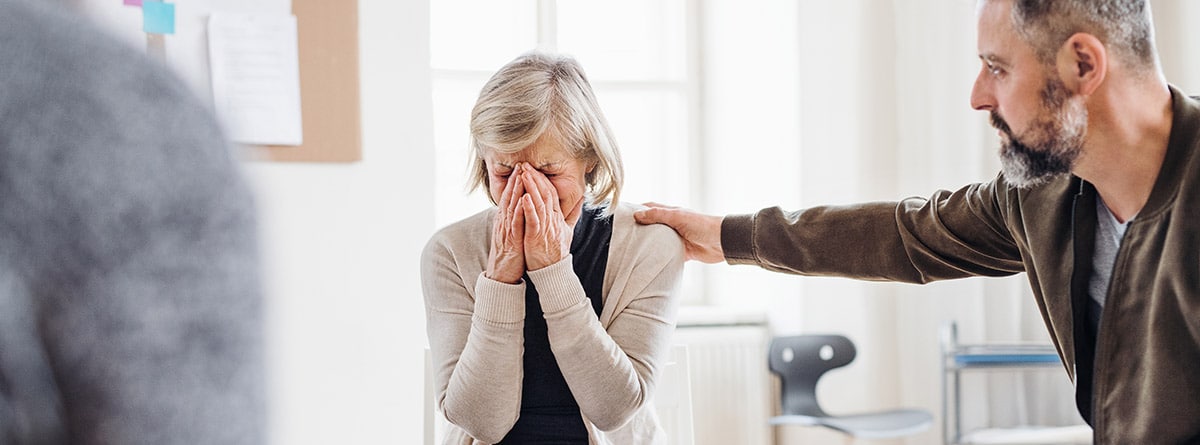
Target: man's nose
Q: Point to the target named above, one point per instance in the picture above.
(981, 95)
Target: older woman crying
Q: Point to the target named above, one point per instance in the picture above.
(550, 313)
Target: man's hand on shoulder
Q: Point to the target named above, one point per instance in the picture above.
(701, 233)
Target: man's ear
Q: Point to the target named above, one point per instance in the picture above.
(1082, 63)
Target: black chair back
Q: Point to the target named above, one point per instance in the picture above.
(800, 361)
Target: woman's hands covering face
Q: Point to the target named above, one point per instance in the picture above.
(529, 231)
(547, 235)
(506, 255)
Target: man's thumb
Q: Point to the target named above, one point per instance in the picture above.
(649, 216)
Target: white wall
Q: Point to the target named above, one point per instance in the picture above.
(1179, 42)
(750, 112)
(342, 243)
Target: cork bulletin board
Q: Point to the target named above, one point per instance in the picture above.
(326, 51)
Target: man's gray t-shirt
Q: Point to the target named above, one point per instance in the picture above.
(1108, 241)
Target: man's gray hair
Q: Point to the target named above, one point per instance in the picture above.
(1124, 26)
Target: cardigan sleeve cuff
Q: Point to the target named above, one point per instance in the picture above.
(557, 286)
(737, 239)
(499, 302)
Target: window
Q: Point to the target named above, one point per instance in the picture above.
(639, 56)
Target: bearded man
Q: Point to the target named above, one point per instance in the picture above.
(1098, 202)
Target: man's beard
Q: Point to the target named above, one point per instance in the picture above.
(1051, 145)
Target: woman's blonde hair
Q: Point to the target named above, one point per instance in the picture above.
(540, 92)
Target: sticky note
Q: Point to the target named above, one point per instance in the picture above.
(133, 2)
(158, 17)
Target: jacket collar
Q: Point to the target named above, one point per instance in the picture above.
(1185, 124)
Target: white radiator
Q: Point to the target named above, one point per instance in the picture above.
(731, 387)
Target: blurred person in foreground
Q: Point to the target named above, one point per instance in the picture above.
(130, 308)
(550, 314)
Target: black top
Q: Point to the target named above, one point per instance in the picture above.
(549, 413)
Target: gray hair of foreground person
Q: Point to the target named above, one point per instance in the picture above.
(539, 93)
(130, 304)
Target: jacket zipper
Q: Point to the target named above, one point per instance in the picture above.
(1102, 333)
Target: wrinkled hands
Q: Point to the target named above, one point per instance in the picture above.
(701, 233)
(529, 231)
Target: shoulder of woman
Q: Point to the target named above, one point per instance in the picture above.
(629, 231)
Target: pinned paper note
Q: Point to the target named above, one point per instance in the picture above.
(256, 77)
(158, 17)
(133, 2)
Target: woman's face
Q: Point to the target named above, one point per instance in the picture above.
(549, 157)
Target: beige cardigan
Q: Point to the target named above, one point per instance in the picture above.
(475, 327)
